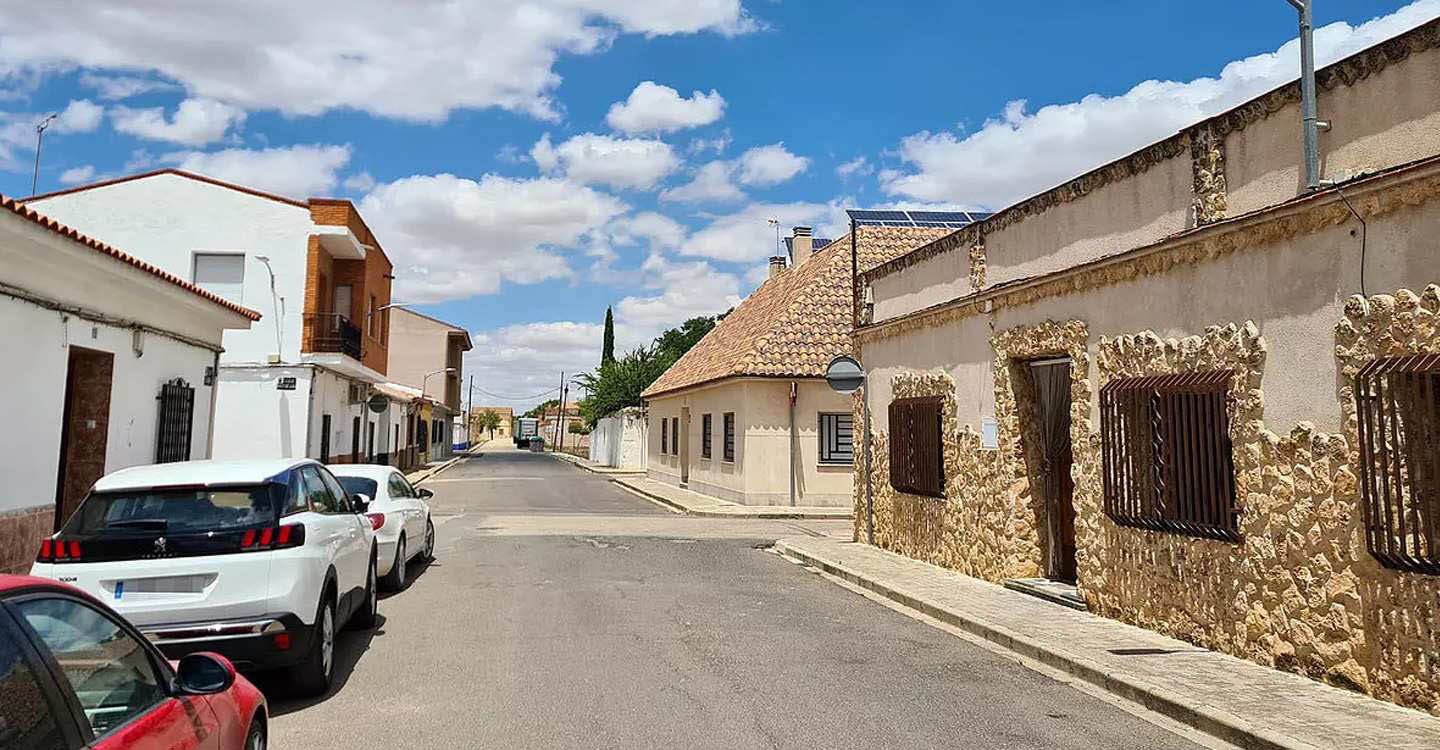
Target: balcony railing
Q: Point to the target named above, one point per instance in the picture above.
(332, 332)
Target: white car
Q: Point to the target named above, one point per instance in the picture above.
(399, 515)
(261, 561)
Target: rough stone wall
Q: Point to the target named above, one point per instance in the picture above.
(20, 535)
(1207, 162)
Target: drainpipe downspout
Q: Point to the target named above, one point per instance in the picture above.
(1311, 124)
(214, 389)
(794, 441)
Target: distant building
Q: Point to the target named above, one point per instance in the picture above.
(502, 431)
(117, 368)
(428, 354)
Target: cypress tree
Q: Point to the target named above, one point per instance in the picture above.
(607, 352)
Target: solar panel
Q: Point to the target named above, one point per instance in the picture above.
(898, 218)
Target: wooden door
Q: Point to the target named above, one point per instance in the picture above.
(85, 428)
(1051, 380)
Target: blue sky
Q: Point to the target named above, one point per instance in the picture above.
(527, 166)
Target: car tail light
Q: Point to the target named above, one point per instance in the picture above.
(273, 537)
(282, 641)
(376, 520)
(58, 550)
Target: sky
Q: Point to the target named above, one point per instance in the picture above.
(525, 166)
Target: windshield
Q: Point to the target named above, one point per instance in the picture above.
(358, 486)
(176, 510)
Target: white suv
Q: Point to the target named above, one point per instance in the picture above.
(261, 561)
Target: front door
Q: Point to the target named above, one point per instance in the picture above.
(1051, 380)
(85, 428)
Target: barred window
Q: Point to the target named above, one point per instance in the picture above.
(916, 448)
(177, 415)
(675, 435)
(837, 438)
(1167, 456)
(664, 437)
(705, 437)
(729, 436)
(1398, 404)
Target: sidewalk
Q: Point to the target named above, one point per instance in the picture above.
(1234, 700)
(696, 504)
(594, 467)
(430, 470)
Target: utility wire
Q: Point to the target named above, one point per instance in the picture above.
(1364, 236)
(516, 398)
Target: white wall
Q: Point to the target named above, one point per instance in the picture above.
(619, 440)
(255, 420)
(166, 219)
(331, 395)
(30, 444)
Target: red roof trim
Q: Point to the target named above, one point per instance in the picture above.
(177, 172)
(14, 206)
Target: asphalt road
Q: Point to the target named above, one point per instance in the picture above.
(564, 612)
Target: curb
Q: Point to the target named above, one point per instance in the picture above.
(425, 474)
(584, 465)
(764, 514)
(1221, 725)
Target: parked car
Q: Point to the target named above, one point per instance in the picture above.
(75, 674)
(398, 514)
(261, 561)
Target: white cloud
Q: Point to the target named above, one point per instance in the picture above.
(712, 184)
(1022, 152)
(510, 154)
(451, 237)
(747, 236)
(601, 159)
(718, 144)
(79, 116)
(652, 108)
(415, 61)
(296, 171)
(117, 87)
(77, 175)
(196, 122)
(527, 359)
(659, 230)
(17, 129)
(857, 167)
(682, 290)
(359, 183)
(769, 165)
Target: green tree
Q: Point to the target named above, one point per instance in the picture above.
(486, 421)
(607, 351)
(542, 407)
(618, 383)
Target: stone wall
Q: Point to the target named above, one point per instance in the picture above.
(20, 535)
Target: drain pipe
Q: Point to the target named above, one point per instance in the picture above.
(1311, 124)
(794, 443)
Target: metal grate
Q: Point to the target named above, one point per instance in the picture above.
(729, 445)
(837, 438)
(916, 448)
(706, 439)
(1166, 448)
(664, 437)
(1397, 401)
(177, 412)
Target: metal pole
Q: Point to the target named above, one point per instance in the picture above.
(869, 495)
(39, 141)
(1311, 123)
(469, 411)
(560, 424)
(793, 394)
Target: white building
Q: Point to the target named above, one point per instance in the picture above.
(297, 383)
(619, 439)
(117, 364)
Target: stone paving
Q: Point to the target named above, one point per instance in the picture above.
(1229, 698)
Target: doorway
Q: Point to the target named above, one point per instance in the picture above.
(85, 428)
(355, 440)
(344, 294)
(682, 436)
(1050, 379)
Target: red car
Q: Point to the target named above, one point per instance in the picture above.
(75, 674)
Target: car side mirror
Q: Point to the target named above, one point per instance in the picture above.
(424, 493)
(360, 502)
(204, 673)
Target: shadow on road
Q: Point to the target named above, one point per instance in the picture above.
(349, 646)
(414, 572)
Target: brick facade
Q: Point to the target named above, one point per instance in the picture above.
(369, 279)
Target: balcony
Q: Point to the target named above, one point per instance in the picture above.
(333, 333)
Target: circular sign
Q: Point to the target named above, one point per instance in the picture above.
(845, 374)
(378, 403)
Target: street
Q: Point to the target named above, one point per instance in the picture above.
(563, 611)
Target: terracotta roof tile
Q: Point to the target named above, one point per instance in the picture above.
(793, 325)
(11, 205)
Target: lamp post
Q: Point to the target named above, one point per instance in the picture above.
(845, 375)
(423, 386)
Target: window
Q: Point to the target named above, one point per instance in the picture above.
(1397, 401)
(358, 486)
(675, 436)
(370, 317)
(176, 510)
(916, 450)
(706, 439)
(297, 499)
(177, 413)
(399, 487)
(325, 438)
(837, 438)
(109, 671)
(221, 274)
(321, 501)
(1165, 445)
(729, 442)
(28, 720)
(342, 498)
(664, 437)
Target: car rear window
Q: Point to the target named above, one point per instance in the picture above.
(358, 486)
(169, 510)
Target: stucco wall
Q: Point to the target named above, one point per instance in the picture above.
(419, 346)
(619, 440)
(256, 420)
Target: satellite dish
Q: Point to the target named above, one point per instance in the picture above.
(378, 403)
(844, 374)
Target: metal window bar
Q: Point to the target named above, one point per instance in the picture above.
(729, 436)
(177, 412)
(916, 447)
(837, 438)
(706, 440)
(1397, 401)
(1166, 453)
(664, 437)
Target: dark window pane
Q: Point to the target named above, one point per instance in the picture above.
(26, 719)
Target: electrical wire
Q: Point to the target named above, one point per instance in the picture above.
(1364, 236)
(517, 398)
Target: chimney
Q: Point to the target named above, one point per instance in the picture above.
(777, 265)
(801, 245)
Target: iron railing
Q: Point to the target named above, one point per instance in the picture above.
(1167, 457)
(177, 414)
(333, 332)
(1397, 401)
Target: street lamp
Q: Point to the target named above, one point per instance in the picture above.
(845, 375)
(383, 308)
(427, 378)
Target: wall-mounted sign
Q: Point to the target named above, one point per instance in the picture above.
(378, 403)
(286, 383)
(989, 434)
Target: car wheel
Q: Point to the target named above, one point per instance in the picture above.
(395, 579)
(365, 616)
(312, 677)
(428, 553)
(255, 738)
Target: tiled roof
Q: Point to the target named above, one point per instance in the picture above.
(11, 205)
(794, 324)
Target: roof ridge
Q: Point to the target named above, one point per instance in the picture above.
(179, 173)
